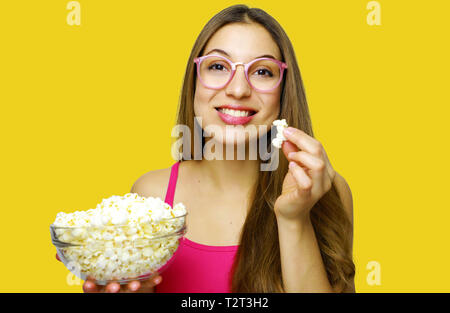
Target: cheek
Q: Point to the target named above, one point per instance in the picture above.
(201, 99)
(275, 101)
(272, 105)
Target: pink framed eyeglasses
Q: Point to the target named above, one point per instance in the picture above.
(262, 74)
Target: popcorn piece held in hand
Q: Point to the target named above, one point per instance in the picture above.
(281, 125)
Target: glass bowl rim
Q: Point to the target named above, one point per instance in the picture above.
(53, 226)
(65, 245)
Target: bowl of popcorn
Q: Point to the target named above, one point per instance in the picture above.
(124, 238)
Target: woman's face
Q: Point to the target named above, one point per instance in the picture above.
(242, 43)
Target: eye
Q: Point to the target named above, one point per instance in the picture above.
(264, 72)
(216, 66)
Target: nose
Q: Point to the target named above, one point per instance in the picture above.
(238, 87)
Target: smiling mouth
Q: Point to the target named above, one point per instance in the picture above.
(236, 113)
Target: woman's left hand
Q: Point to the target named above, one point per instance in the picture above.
(310, 175)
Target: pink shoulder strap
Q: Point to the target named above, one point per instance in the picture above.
(172, 184)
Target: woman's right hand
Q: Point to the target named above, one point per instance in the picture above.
(144, 286)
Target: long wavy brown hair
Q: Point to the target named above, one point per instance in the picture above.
(257, 266)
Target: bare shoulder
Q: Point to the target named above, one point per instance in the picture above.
(152, 184)
(345, 194)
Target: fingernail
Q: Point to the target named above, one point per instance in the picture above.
(291, 164)
(86, 286)
(114, 288)
(157, 280)
(134, 287)
(287, 131)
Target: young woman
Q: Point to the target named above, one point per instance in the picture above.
(248, 230)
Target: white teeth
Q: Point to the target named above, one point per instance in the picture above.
(234, 112)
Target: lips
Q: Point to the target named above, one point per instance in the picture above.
(238, 107)
(235, 114)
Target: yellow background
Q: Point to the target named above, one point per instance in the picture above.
(86, 110)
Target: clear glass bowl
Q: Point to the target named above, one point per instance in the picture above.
(119, 253)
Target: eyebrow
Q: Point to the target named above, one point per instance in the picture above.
(224, 52)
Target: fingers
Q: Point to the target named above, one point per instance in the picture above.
(288, 147)
(303, 180)
(313, 163)
(303, 141)
(112, 287)
(90, 286)
(134, 286)
(152, 282)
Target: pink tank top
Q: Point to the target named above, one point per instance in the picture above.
(195, 267)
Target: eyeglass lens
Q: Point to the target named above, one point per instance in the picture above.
(263, 74)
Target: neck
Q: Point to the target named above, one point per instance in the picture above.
(230, 175)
